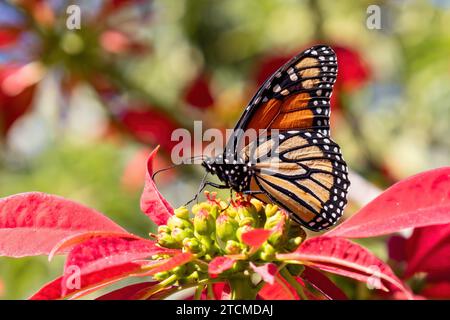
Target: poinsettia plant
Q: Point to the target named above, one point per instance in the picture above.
(240, 249)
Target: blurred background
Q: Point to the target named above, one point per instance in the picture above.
(81, 109)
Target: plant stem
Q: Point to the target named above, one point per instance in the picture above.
(291, 280)
(210, 292)
(160, 286)
(198, 292)
(242, 288)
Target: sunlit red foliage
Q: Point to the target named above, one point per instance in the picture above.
(426, 253)
(102, 42)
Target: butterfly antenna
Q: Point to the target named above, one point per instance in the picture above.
(165, 169)
(190, 160)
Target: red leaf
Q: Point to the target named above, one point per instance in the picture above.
(428, 250)
(105, 253)
(33, 223)
(267, 271)
(323, 284)
(50, 291)
(96, 281)
(256, 237)
(280, 290)
(439, 290)
(418, 201)
(220, 264)
(397, 248)
(72, 240)
(153, 203)
(343, 257)
(131, 292)
(171, 263)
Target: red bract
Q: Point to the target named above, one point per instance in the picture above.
(256, 237)
(340, 256)
(198, 94)
(421, 200)
(153, 203)
(220, 264)
(102, 253)
(428, 250)
(104, 36)
(33, 223)
(425, 252)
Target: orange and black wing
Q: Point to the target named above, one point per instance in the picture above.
(295, 97)
(304, 173)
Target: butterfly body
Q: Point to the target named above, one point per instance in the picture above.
(292, 160)
(234, 173)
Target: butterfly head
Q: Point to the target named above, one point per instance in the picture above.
(235, 173)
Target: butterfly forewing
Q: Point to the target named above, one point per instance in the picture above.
(295, 97)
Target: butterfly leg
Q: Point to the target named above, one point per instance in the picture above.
(215, 185)
(203, 185)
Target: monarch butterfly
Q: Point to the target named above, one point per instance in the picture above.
(299, 167)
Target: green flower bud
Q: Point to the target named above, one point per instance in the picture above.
(201, 206)
(207, 244)
(267, 252)
(192, 245)
(293, 243)
(161, 275)
(257, 204)
(247, 212)
(175, 222)
(182, 213)
(193, 277)
(180, 234)
(204, 222)
(208, 257)
(280, 224)
(167, 241)
(247, 221)
(270, 210)
(163, 229)
(179, 271)
(215, 210)
(232, 247)
(226, 227)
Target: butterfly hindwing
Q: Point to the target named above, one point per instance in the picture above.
(304, 173)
